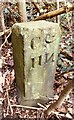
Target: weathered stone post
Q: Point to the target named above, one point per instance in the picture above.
(35, 50)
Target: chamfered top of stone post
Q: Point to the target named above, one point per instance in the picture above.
(41, 24)
(36, 24)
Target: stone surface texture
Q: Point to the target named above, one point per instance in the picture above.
(35, 50)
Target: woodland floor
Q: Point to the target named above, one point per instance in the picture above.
(64, 73)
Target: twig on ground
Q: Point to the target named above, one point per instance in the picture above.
(42, 106)
(58, 114)
(9, 104)
(65, 72)
(5, 40)
(5, 32)
(55, 13)
(27, 107)
(36, 6)
(62, 97)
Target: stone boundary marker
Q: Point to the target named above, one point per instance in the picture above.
(35, 49)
